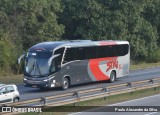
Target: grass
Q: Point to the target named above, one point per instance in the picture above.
(18, 79)
(144, 65)
(101, 102)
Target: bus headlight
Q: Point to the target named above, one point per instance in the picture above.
(24, 79)
(48, 79)
(45, 80)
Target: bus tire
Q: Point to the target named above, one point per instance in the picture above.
(65, 83)
(112, 77)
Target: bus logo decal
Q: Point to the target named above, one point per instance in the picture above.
(112, 64)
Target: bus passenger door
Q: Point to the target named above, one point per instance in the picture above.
(70, 64)
(81, 65)
(81, 72)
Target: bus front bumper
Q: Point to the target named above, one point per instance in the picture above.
(39, 84)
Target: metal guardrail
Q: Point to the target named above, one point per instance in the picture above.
(88, 94)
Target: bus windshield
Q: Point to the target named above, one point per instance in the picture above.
(36, 63)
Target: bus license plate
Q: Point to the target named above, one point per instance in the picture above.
(34, 86)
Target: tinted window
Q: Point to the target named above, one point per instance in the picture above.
(111, 51)
(91, 52)
(59, 58)
(80, 53)
(101, 52)
(122, 50)
(59, 51)
(126, 49)
(119, 50)
(10, 89)
(69, 55)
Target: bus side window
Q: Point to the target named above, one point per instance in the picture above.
(101, 52)
(91, 53)
(126, 49)
(80, 53)
(69, 55)
(119, 50)
(55, 65)
(59, 58)
(111, 51)
(122, 50)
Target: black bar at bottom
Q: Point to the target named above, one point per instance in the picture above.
(82, 108)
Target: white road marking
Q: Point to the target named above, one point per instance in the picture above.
(151, 113)
(135, 100)
(75, 113)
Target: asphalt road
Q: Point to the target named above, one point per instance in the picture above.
(149, 102)
(135, 75)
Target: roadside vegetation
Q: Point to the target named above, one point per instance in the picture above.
(143, 65)
(24, 23)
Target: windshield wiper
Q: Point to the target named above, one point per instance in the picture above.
(38, 68)
(32, 68)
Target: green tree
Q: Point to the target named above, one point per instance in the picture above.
(152, 15)
(8, 57)
(24, 23)
(33, 21)
(111, 19)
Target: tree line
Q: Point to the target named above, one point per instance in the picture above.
(24, 23)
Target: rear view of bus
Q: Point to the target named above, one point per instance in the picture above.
(65, 63)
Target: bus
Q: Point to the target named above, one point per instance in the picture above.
(66, 63)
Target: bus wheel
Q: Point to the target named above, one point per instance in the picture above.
(65, 83)
(112, 77)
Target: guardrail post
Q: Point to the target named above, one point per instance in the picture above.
(155, 88)
(151, 81)
(76, 94)
(130, 85)
(105, 89)
(44, 100)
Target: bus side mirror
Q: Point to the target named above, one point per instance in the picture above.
(20, 58)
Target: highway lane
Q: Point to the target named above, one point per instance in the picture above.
(146, 101)
(135, 75)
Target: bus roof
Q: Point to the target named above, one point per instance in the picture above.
(49, 46)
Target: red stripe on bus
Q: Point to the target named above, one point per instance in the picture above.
(96, 71)
(105, 43)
